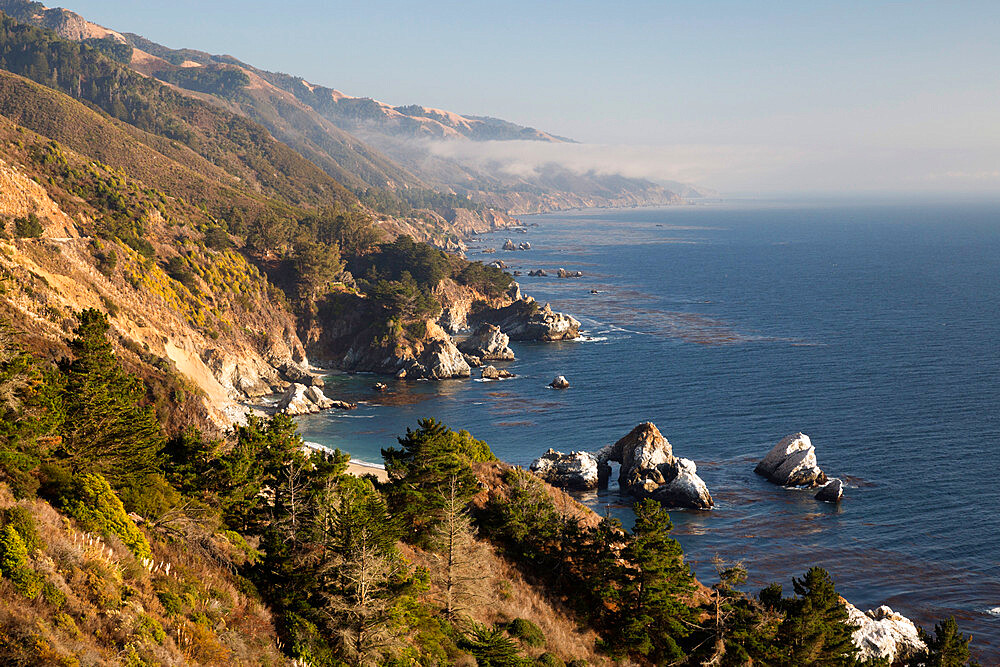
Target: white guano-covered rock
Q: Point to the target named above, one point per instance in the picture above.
(883, 634)
(576, 470)
(792, 462)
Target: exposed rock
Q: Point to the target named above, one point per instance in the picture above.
(524, 245)
(488, 343)
(473, 361)
(649, 469)
(792, 462)
(538, 272)
(440, 360)
(832, 492)
(524, 320)
(576, 470)
(563, 273)
(494, 373)
(489, 251)
(299, 399)
(514, 291)
(509, 245)
(380, 386)
(883, 634)
(297, 374)
(560, 382)
(498, 264)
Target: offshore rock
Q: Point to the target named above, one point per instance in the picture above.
(883, 634)
(299, 399)
(540, 273)
(832, 492)
(488, 343)
(509, 245)
(524, 320)
(576, 470)
(792, 462)
(649, 469)
(440, 360)
(563, 273)
(494, 373)
(559, 382)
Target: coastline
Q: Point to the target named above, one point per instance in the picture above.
(361, 468)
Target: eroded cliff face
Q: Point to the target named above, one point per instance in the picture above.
(215, 336)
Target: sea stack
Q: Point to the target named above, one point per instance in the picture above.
(792, 462)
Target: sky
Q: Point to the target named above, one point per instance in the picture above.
(743, 97)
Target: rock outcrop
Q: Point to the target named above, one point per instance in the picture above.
(494, 373)
(297, 374)
(832, 492)
(563, 273)
(792, 462)
(576, 470)
(440, 360)
(649, 469)
(539, 273)
(525, 320)
(559, 382)
(300, 399)
(488, 343)
(883, 634)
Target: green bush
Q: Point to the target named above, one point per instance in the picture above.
(15, 566)
(21, 520)
(52, 595)
(28, 227)
(148, 627)
(91, 501)
(529, 633)
(549, 660)
(172, 603)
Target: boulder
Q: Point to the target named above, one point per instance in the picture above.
(498, 264)
(488, 343)
(792, 462)
(832, 492)
(494, 373)
(576, 470)
(524, 245)
(292, 372)
(300, 399)
(380, 386)
(560, 382)
(563, 273)
(524, 320)
(473, 361)
(649, 469)
(440, 360)
(883, 634)
(540, 273)
(509, 245)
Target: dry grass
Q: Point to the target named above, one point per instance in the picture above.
(113, 613)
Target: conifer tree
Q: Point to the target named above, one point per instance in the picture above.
(654, 616)
(816, 629)
(459, 570)
(107, 430)
(948, 647)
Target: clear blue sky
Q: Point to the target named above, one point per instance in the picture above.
(749, 96)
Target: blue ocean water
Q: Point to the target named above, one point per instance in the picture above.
(872, 327)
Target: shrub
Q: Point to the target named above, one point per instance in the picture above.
(15, 566)
(529, 633)
(549, 660)
(172, 603)
(91, 501)
(28, 227)
(21, 520)
(52, 595)
(148, 627)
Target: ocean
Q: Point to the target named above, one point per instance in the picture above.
(873, 327)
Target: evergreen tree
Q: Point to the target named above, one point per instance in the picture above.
(430, 459)
(815, 630)
(654, 615)
(492, 648)
(946, 648)
(107, 430)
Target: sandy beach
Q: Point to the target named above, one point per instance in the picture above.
(361, 469)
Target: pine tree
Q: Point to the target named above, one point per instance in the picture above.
(492, 647)
(421, 470)
(816, 630)
(459, 570)
(107, 430)
(948, 647)
(654, 614)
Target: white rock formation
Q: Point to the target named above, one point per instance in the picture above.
(299, 399)
(792, 462)
(576, 470)
(884, 634)
(488, 343)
